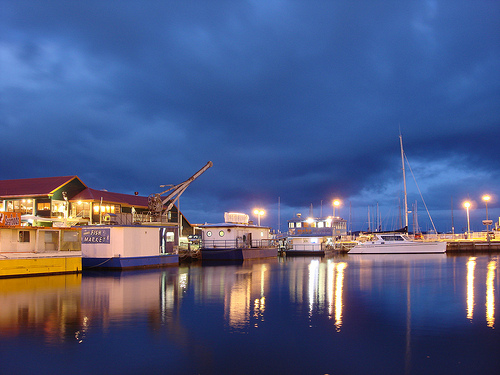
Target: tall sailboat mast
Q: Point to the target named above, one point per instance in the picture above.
(404, 179)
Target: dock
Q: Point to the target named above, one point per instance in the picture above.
(14, 264)
(474, 246)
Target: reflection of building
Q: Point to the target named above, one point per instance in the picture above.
(107, 299)
(245, 304)
(48, 306)
(321, 287)
(243, 290)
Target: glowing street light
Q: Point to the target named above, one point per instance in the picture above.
(335, 203)
(259, 213)
(467, 206)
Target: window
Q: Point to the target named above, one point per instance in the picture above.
(24, 236)
(209, 233)
(170, 236)
(221, 233)
(43, 206)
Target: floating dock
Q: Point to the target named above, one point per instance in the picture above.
(32, 264)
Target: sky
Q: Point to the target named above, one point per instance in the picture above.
(296, 103)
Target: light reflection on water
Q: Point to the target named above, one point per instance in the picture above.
(400, 314)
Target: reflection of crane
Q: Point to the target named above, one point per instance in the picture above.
(155, 201)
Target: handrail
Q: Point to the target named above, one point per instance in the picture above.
(238, 244)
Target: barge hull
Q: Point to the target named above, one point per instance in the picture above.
(238, 254)
(131, 262)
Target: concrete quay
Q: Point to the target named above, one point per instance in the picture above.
(472, 246)
(14, 264)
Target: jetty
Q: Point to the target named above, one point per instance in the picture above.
(472, 245)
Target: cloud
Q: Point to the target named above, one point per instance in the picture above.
(298, 100)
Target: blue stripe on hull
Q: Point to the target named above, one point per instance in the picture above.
(237, 254)
(131, 262)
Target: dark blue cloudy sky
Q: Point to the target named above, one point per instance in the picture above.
(294, 101)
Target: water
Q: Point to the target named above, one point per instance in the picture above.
(366, 314)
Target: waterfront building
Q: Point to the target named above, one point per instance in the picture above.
(67, 201)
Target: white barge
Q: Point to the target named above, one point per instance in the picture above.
(134, 246)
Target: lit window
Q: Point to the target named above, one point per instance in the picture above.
(221, 233)
(209, 234)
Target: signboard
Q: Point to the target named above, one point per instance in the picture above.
(487, 222)
(10, 219)
(96, 236)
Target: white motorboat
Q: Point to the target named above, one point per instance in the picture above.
(396, 243)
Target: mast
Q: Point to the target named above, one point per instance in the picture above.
(404, 179)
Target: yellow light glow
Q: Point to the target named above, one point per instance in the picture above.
(336, 202)
(339, 288)
(79, 202)
(466, 204)
(96, 209)
(471, 265)
(486, 198)
(490, 294)
(310, 220)
(259, 212)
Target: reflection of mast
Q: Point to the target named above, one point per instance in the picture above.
(408, 324)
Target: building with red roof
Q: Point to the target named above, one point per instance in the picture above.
(67, 197)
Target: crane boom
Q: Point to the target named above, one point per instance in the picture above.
(175, 191)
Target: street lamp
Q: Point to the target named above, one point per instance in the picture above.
(467, 205)
(259, 213)
(335, 203)
(486, 199)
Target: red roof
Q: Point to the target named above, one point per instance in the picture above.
(33, 186)
(96, 195)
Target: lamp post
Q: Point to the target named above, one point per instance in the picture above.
(259, 213)
(335, 204)
(467, 205)
(486, 199)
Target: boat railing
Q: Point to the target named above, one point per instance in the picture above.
(239, 244)
(305, 247)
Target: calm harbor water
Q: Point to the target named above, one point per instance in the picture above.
(366, 314)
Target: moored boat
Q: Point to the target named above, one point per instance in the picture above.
(396, 243)
(237, 239)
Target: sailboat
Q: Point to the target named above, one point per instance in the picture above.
(397, 242)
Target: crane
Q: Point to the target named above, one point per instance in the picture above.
(156, 202)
